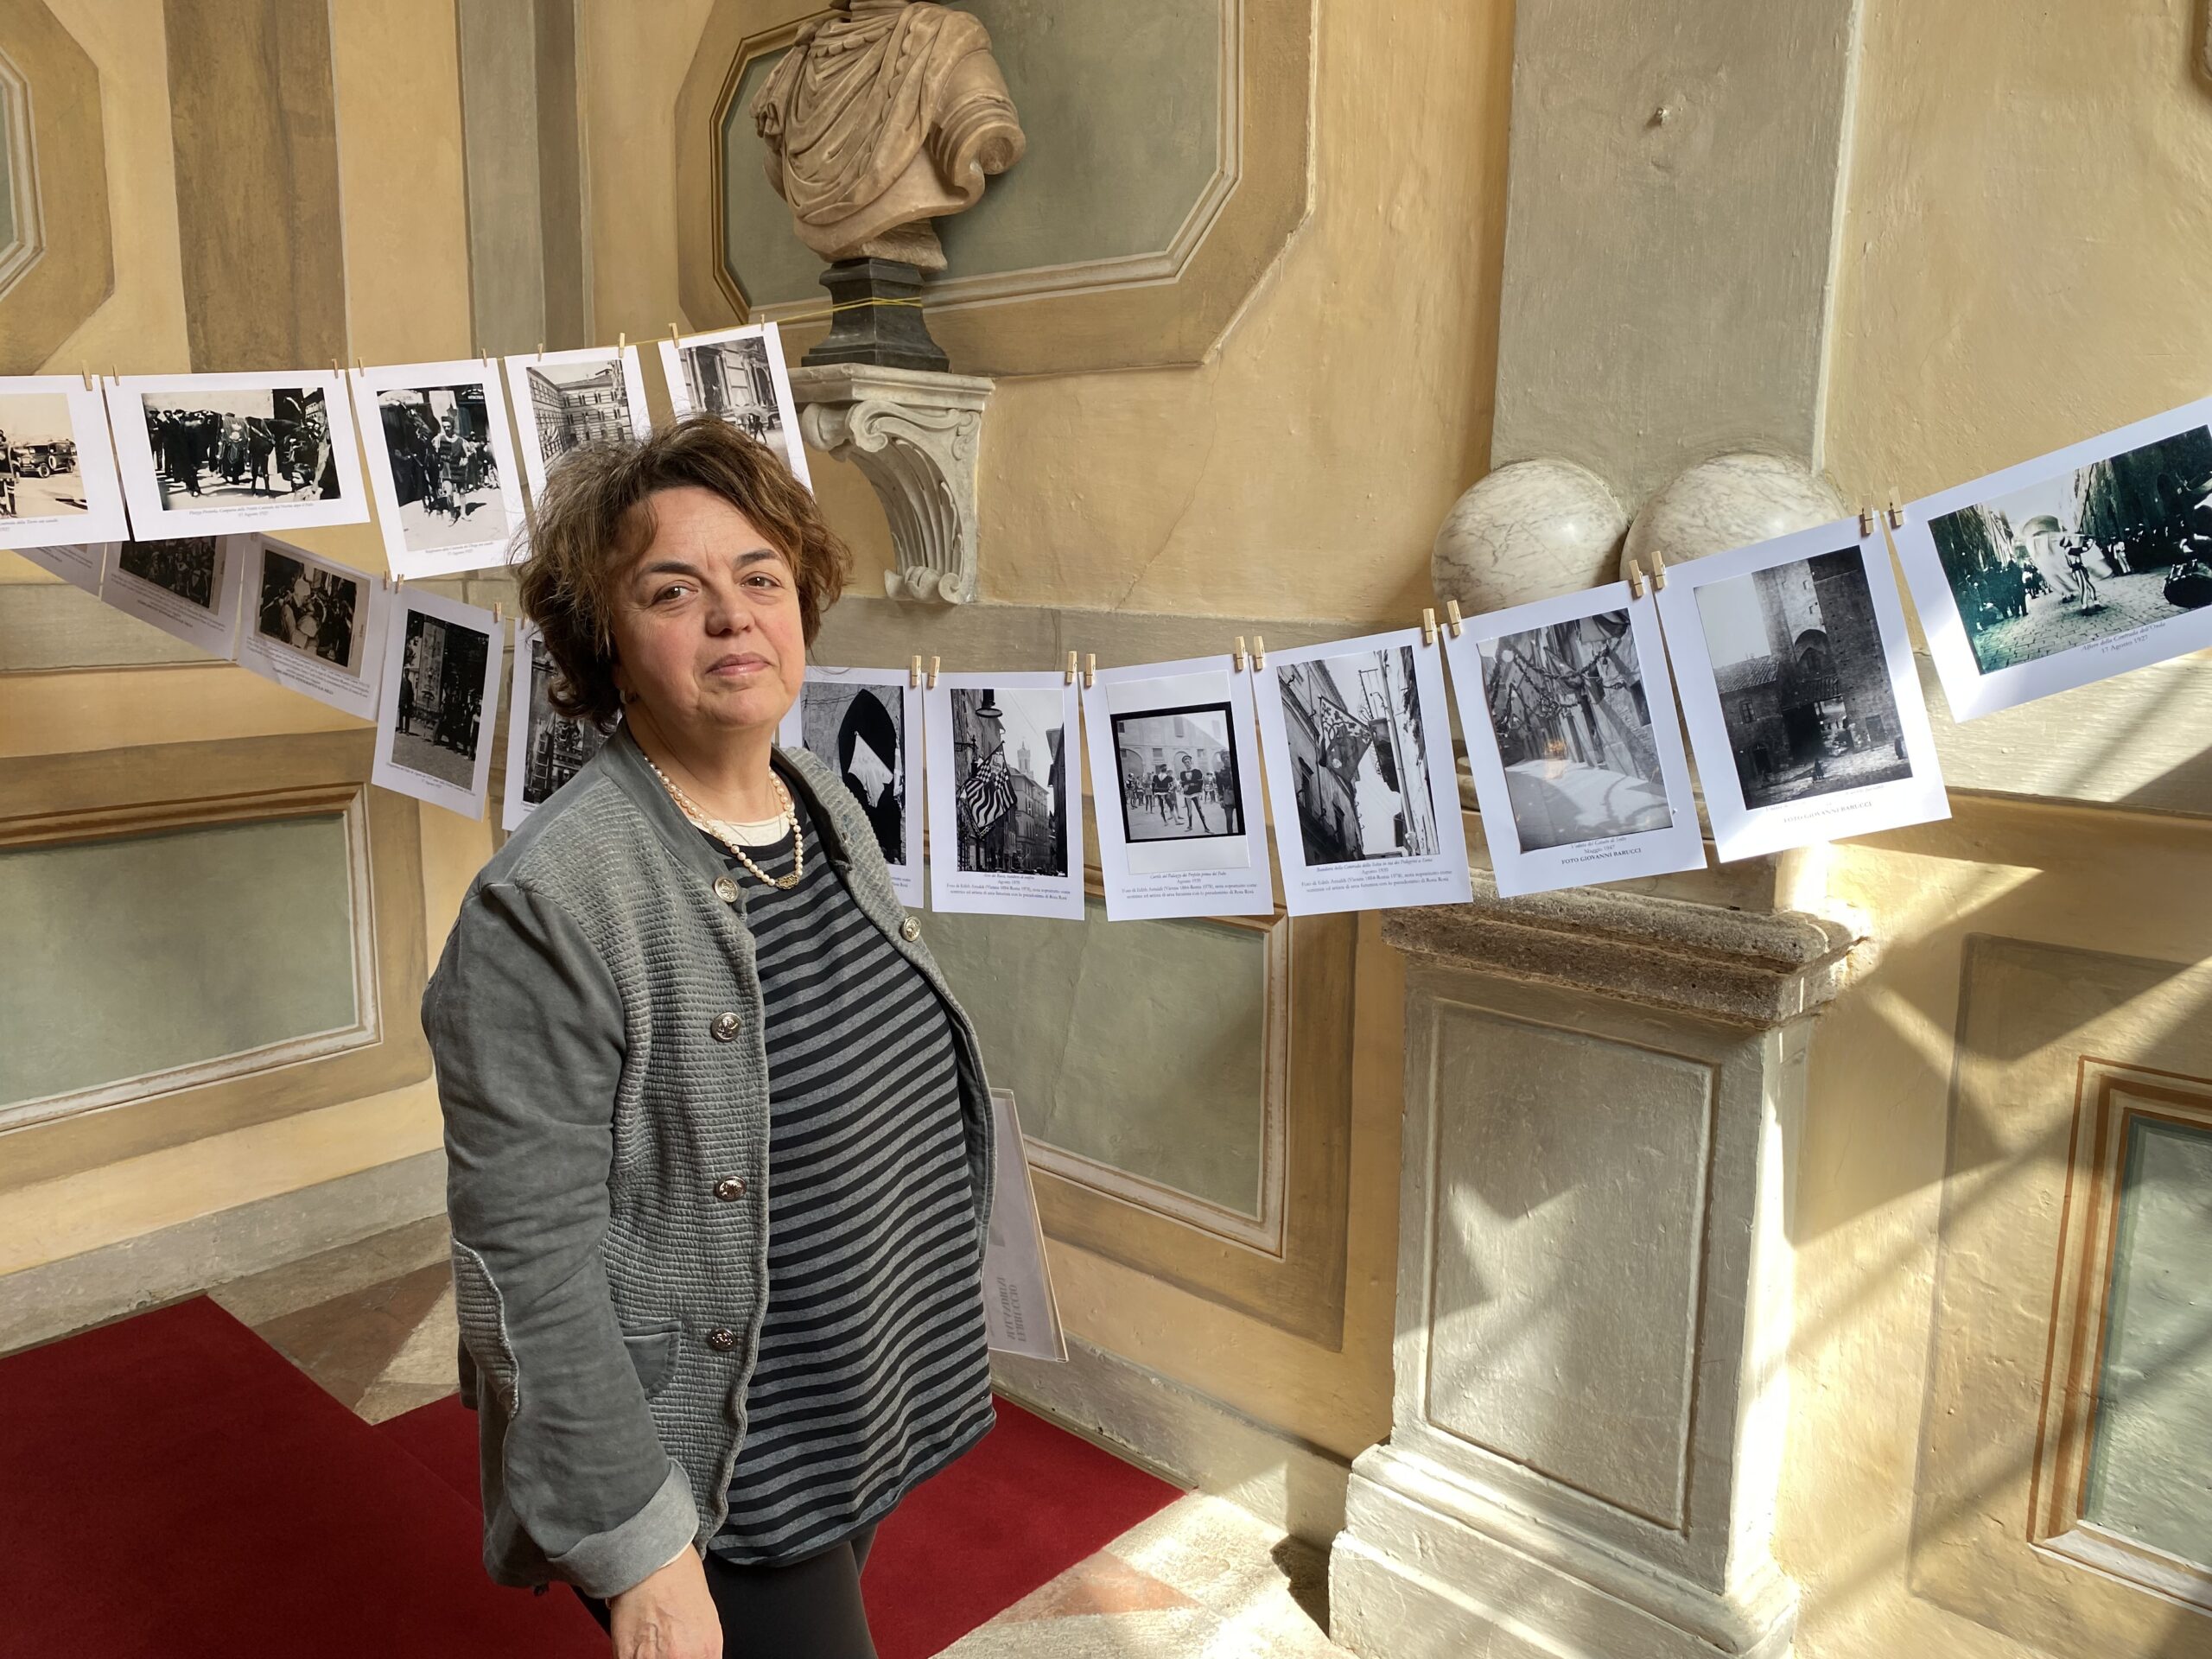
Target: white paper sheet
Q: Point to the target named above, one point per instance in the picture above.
(563, 399)
(1175, 782)
(1020, 1313)
(80, 564)
(1005, 795)
(236, 453)
(1357, 737)
(58, 483)
(312, 626)
(188, 587)
(1577, 759)
(545, 747)
(739, 374)
(2068, 569)
(1797, 682)
(436, 433)
(441, 697)
(865, 724)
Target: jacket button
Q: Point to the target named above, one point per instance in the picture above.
(724, 889)
(729, 1187)
(721, 1338)
(910, 930)
(724, 1028)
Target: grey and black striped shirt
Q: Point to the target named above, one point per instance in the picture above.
(872, 1372)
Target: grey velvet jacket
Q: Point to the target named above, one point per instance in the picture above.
(596, 1022)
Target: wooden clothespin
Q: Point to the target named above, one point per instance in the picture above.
(357, 369)
(334, 369)
(1658, 571)
(88, 377)
(541, 348)
(1090, 670)
(914, 675)
(398, 583)
(932, 681)
(1236, 657)
(674, 339)
(621, 343)
(1074, 663)
(1635, 580)
(1453, 620)
(1894, 512)
(1428, 625)
(1865, 521)
(1259, 654)
(498, 613)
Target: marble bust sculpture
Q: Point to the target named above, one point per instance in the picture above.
(881, 117)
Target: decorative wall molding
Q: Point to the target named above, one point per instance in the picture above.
(58, 139)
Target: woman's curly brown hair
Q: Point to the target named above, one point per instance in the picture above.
(595, 517)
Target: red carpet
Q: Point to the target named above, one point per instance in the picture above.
(1027, 1504)
(171, 1487)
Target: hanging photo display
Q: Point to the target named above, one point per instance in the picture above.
(1570, 735)
(865, 724)
(545, 747)
(1005, 795)
(739, 374)
(1797, 682)
(78, 564)
(205, 453)
(1358, 744)
(441, 463)
(58, 483)
(441, 693)
(564, 400)
(311, 625)
(1175, 779)
(187, 587)
(2085, 563)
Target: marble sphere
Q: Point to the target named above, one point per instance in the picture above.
(1730, 501)
(1530, 530)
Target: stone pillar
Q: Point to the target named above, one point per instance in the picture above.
(1593, 1282)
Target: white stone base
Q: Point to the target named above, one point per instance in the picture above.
(1431, 1566)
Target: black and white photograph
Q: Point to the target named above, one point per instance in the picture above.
(545, 747)
(1572, 737)
(57, 484)
(865, 724)
(1796, 681)
(2085, 563)
(439, 697)
(564, 400)
(1005, 795)
(1358, 743)
(190, 586)
(1174, 768)
(441, 464)
(312, 626)
(204, 453)
(739, 374)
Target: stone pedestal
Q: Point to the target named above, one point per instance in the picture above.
(1593, 1283)
(916, 437)
(877, 318)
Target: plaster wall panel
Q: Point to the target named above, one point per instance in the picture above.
(56, 246)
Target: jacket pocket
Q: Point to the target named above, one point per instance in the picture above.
(654, 1352)
(482, 1315)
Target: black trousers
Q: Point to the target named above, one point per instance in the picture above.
(806, 1609)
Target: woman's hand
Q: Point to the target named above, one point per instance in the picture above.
(669, 1615)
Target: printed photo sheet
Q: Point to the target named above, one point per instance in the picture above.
(2083, 563)
(1796, 682)
(203, 455)
(439, 697)
(739, 374)
(187, 587)
(1176, 789)
(1358, 738)
(312, 626)
(77, 563)
(1020, 1313)
(1005, 795)
(545, 747)
(865, 724)
(58, 481)
(563, 400)
(441, 464)
(1571, 736)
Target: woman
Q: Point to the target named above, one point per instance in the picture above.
(718, 1134)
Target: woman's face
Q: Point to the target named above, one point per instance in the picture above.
(707, 628)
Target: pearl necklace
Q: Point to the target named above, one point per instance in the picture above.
(722, 829)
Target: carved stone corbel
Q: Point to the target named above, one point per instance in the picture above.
(916, 436)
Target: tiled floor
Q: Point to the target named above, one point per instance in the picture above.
(373, 1323)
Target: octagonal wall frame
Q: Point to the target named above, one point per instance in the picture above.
(1162, 308)
(75, 271)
